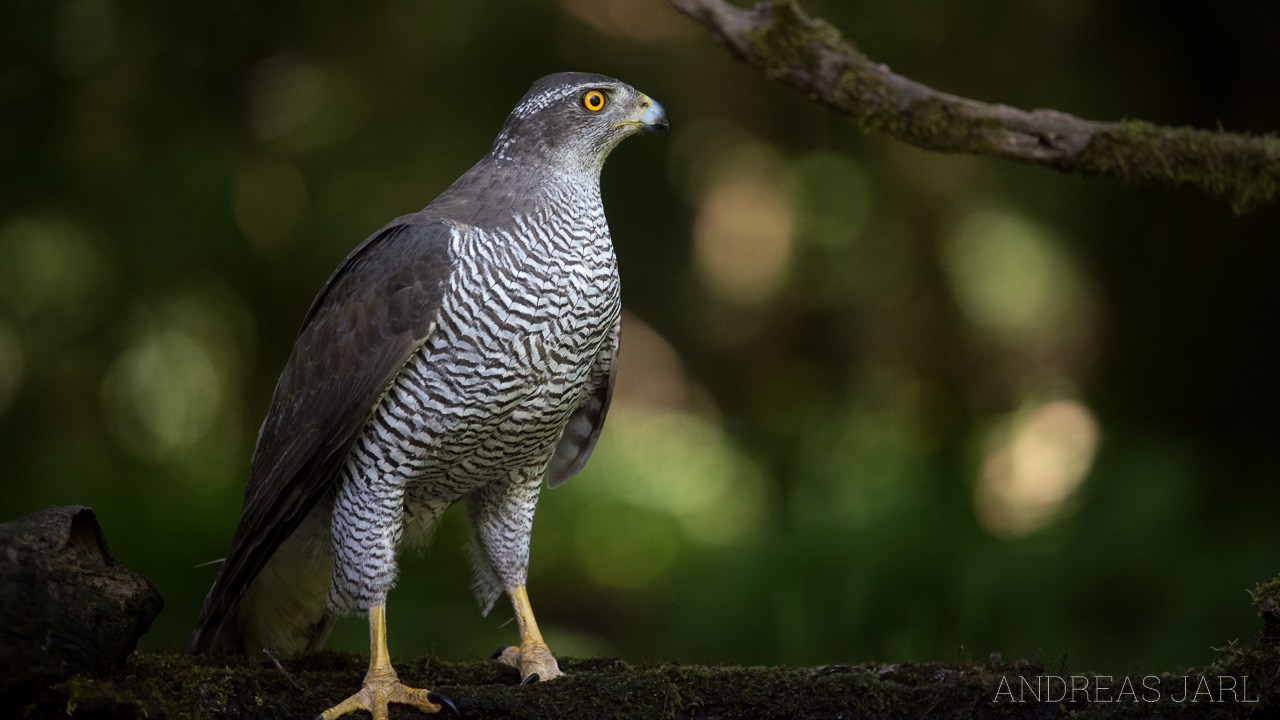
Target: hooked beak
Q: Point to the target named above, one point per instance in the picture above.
(653, 118)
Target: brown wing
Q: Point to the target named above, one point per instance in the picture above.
(376, 310)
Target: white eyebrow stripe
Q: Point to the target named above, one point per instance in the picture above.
(537, 102)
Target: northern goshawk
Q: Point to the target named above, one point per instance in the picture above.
(463, 352)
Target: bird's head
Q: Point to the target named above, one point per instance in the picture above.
(574, 120)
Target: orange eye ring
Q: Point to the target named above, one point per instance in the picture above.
(593, 101)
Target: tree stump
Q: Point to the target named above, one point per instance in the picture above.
(66, 608)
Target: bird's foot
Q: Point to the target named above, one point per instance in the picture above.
(533, 660)
(382, 687)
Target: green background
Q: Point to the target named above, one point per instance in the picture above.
(875, 403)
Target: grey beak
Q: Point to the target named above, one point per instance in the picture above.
(655, 118)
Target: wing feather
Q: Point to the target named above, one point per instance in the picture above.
(375, 311)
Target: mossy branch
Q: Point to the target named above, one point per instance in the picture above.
(1243, 680)
(183, 686)
(810, 55)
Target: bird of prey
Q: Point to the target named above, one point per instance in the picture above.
(463, 352)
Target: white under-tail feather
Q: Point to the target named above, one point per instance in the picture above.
(284, 607)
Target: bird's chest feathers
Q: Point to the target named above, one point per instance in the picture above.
(553, 286)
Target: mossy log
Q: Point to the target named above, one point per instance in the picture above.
(1244, 684)
(65, 606)
(1242, 681)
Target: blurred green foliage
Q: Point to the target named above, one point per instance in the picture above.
(874, 404)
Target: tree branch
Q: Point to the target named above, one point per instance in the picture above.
(810, 55)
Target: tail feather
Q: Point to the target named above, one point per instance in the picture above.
(283, 607)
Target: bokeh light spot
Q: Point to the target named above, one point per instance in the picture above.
(831, 196)
(161, 395)
(1011, 277)
(170, 395)
(682, 465)
(1034, 462)
(52, 274)
(650, 374)
(742, 234)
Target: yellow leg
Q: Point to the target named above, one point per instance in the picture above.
(381, 685)
(533, 657)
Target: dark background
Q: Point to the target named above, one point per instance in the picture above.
(874, 404)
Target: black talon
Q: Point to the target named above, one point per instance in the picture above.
(439, 699)
(533, 678)
(498, 653)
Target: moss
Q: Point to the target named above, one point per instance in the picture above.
(938, 124)
(1266, 598)
(179, 687)
(931, 122)
(791, 41)
(869, 100)
(1241, 168)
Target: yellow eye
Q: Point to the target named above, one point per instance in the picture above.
(593, 101)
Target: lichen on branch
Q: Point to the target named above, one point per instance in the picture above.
(811, 56)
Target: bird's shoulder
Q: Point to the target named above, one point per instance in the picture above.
(377, 308)
(408, 257)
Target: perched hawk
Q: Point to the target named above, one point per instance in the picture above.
(462, 352)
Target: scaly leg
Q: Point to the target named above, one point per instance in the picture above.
(533, 658)
(381, 686)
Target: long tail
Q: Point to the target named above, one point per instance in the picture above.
(283, 607)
